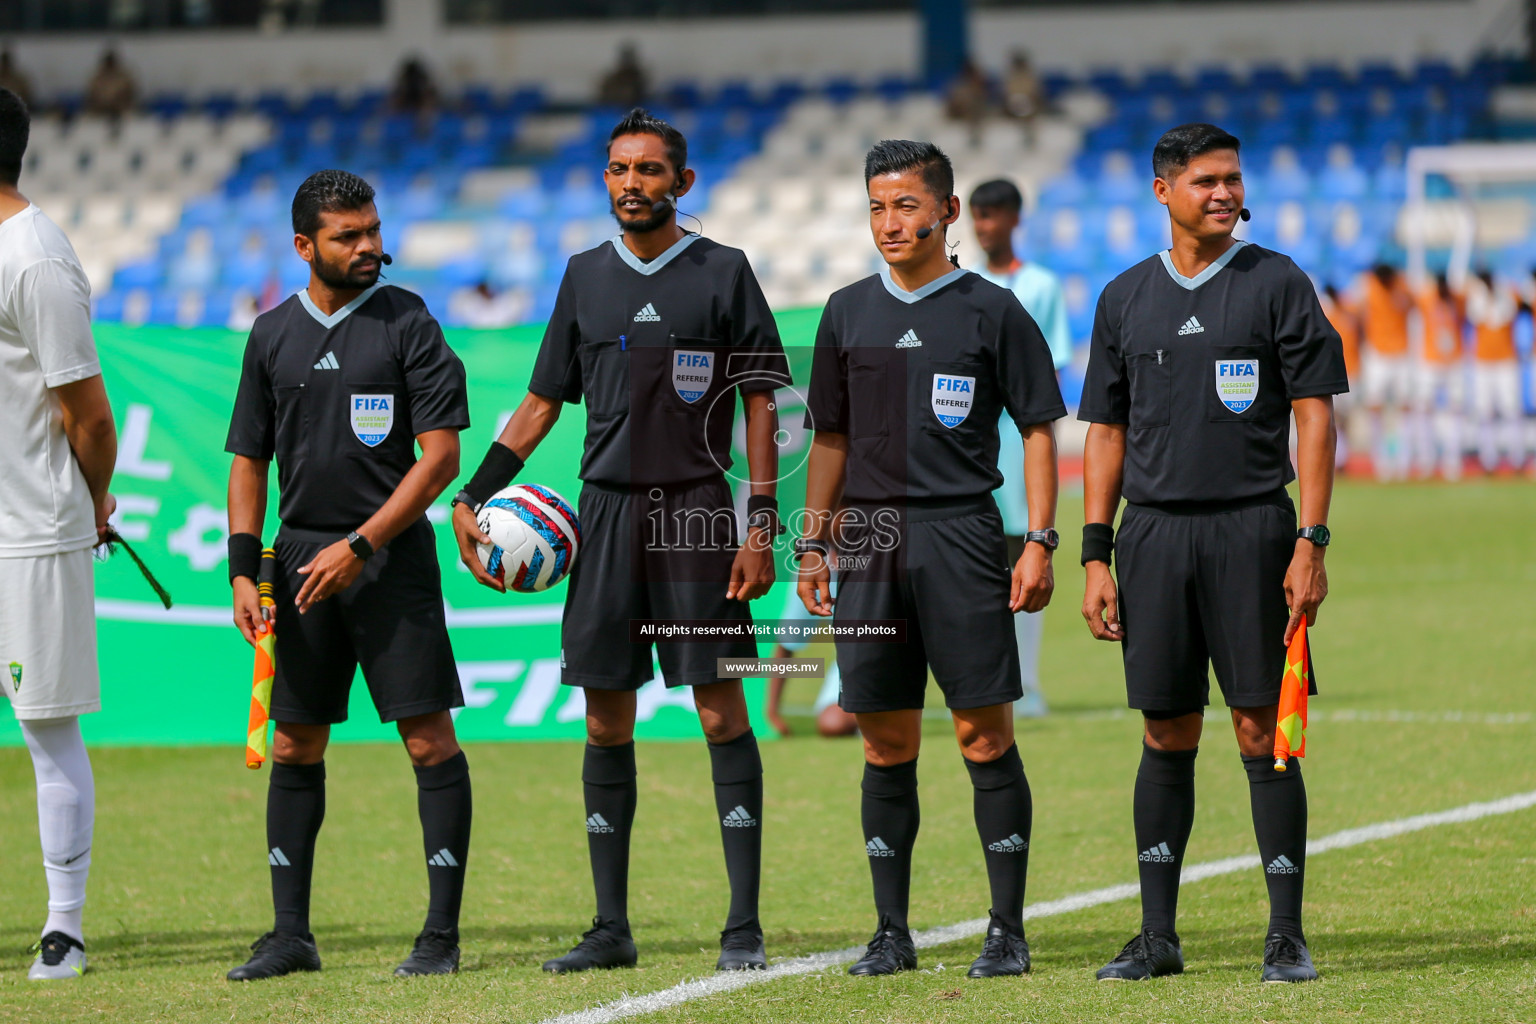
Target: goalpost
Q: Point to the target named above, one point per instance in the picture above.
(1486, 203)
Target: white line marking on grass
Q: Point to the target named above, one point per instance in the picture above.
(687, 991)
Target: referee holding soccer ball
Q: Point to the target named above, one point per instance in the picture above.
(1200, 357)
(341, 383)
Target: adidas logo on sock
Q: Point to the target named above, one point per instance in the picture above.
(598, 824)
(1013, 844)
(1191, 326)
(1282, 865)
(739, 818)
(876, 848)
(910, 340)
(442, 859)
(647, 315)
(328, 362)
(1159, 854)
(276, 858)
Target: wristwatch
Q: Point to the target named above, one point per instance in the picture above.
(805, 545)
(464, 498)
(1049, 539)
(1318, 535)
(359, 545)
(766, 519)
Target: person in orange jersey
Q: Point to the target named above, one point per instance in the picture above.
(1388, 371)
(1491, 309)
(1440, 380)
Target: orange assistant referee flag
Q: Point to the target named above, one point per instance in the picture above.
(1291, 720)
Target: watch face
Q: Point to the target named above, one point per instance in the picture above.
(1321, 536)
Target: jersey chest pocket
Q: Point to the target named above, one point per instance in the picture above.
(1239, 389)
(290, 421)
(868, 402)
(604, 378)
(373, 412)
(948, 393)
(1151, 379)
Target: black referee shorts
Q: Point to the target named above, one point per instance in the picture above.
(1201, 589)
(390, 622)
(948, 576)
(649, 554)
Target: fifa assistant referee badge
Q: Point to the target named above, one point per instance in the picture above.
(359, 545)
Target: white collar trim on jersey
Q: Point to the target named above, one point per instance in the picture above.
(341, 314)
(923, 292)
(639, 266)
(1191, 283)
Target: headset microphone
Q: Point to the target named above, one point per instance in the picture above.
(925, 232)
(386, 259)
(1244, 215)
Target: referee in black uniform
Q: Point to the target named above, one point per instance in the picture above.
(341, 383)
(912, 369)
(1200, 356)
(656, 331)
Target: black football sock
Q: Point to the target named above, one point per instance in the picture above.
(1004, 811)
(1164, 812)
(1279, 802)
(295, 809)
(608, 782)
(737, 769)
(444, 801)
(890, 813)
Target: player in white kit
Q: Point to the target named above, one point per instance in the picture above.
(56, 462)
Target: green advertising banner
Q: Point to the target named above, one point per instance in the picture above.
(183, 676)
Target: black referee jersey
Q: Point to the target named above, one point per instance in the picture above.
(339, 400)
(657, 351)
(1202, 371)
(918, 380)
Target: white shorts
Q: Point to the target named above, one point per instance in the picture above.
(1496, 390)
(1388, 379)
(48, 635)
(1440, 387)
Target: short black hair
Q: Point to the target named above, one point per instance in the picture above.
(1180, 145)
(998, 194)
(640, 121)
(327, 192)
(15, 127)
(892, 156)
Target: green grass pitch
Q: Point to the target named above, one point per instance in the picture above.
(1430, 616)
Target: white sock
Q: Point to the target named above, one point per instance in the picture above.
(66, 816)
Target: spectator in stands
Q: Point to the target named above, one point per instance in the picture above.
(14, 79)
(1023, 95)
(112, 91)
(1344, 315)
(969, 98)
(627, 84)
(1496, 404)
(1439, 399)
(414, 91)
(996, 209)
(481, 306)
(1388, 372)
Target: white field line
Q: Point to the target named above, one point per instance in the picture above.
(687, 991)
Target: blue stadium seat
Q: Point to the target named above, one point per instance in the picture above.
(108, 306)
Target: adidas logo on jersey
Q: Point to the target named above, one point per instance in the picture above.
(597, 824)
(910, 340)
(328, 362)
(1013, 844)
(1191, 326)
(739, 818)
(648, 315)
(1159, 854)
(443, 859)
(1282, 865)
(876, 848)
(276, 858)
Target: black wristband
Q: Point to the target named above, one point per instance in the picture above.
(499, 467)
(1098, 542)
(244, 556)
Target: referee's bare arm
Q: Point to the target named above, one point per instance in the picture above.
(336, 567)
(1034, 581)
(529, 425)
(93, 438)
(752, 568)
(1317, 439)
(247, 512)
(1103, 473)
(824, 477)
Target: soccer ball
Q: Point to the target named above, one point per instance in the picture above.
(534, 537)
